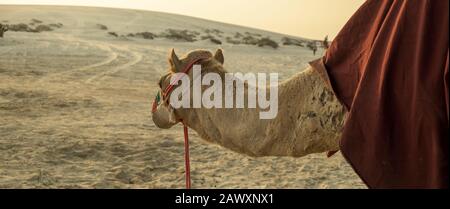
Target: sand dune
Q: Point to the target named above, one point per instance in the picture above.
(75, 105)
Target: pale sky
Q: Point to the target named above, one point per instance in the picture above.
(304, 18)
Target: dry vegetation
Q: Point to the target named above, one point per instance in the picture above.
(144, 35)
(113, 34)
(215, 36)
(180, 35)
(212, 39)
(252, 39)
(102, 27)
(292, 42)
(35, 26)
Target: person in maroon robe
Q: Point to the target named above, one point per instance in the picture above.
(389, 67)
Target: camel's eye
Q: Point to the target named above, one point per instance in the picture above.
(161, 81)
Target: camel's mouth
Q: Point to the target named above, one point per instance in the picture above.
(163, 116)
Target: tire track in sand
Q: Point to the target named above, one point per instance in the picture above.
(114, 51)
(136, 57)
(112, 55)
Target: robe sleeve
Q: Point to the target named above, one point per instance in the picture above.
(389, 67)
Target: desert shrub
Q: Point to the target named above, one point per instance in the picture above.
(180, 35)
(253, 34)
(238, 35)
(36, 21)
(102, 27)
(250, 40)
(145, 35)
(241, 39)
(212, 39)
(214, 32)
(56, 25)
(113, 34)
(292, 42)
(232, 41)
(206, 37)
(216, 41)
(41, 28)
(267, 42)
(21, 27)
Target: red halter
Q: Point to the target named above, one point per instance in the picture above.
(165, 97)
(169, 89)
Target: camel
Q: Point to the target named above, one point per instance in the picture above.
(3, 29)
(309, 120)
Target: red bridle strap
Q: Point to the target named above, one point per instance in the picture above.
(185, 71)
(169, 88)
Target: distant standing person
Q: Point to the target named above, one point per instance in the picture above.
(313, 46)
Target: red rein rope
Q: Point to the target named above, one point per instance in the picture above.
(166, 92)
(186, 157)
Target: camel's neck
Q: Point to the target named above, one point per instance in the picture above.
(309, 120)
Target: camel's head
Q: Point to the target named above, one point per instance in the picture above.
(164, 116)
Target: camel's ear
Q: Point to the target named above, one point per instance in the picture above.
(174, 61)
(219, 56)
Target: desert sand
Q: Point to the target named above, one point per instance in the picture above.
(75, 105)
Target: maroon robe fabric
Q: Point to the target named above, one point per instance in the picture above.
(389, 67)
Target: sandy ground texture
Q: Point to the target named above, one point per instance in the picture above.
(75, 106)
